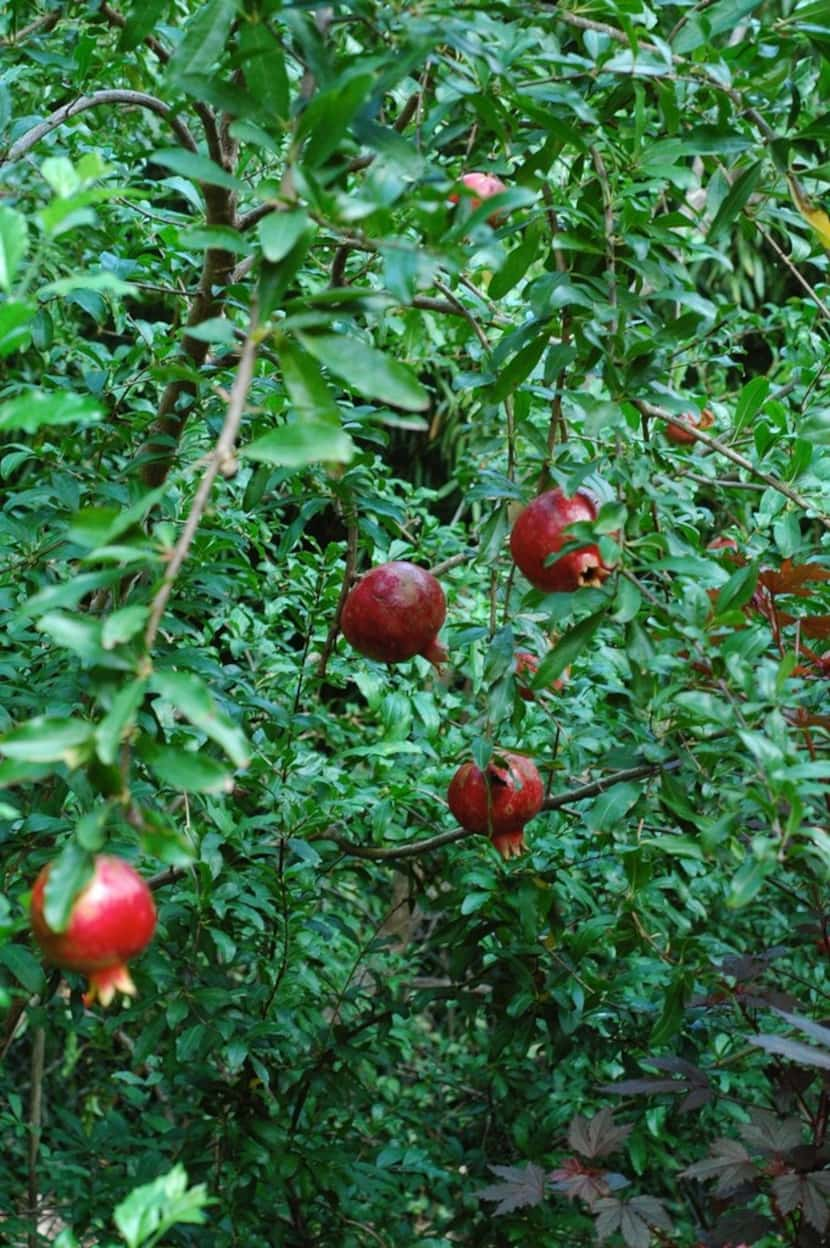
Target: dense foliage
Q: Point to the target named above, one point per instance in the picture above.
(258, 337)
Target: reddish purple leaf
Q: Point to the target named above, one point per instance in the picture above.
(728, 1162)
(597, 1136)
(520, 1186)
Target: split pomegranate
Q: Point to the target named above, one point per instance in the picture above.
(485, 185)
(527, 666)
(394, 613)
(112, 919)
(499, 801)
(682, 437)
(541, 530)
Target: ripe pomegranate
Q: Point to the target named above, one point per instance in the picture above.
(485, 185)
(394, 613)
(682, 437)
(498, 801)
(541, 530)
(112, 919)
(526, 666)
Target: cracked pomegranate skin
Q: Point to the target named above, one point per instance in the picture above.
(540, 531)
(113, 918)
(394, 613)
(515, 795)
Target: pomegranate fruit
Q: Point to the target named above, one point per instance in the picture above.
(394, 613)
(527, 666)
(485, 185)
(682, 437)
(112, 919)
(541, 530)
(499, 801)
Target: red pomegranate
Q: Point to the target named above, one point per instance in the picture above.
(485, 185)
(527, 666)
(498, 802)
(112, 919)
(682, 437)
(394, 613)
(541, 531)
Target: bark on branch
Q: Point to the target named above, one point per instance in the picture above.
(132, 99)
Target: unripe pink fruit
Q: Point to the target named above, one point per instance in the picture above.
(498, 802)
(394, 613)
(112, 919)
(541, 531)
(526, 667)
(485, 185)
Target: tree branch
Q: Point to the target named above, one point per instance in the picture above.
(39, 25)
(348, 578)
(134, 99)
(220, 458)
(649, 409)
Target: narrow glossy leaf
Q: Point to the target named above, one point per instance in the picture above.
(264, 68)
(280, 231)
(23, 965)
(205, 38)
(185, 769)
(306, 385)
(751, 400)
(47, 740)
(738, 589)
(29, 411)
(123, 625)
(194, 700)
(735, 201)
(196, 167)
(109, 733)
(15, 320)
(68, 874)
(368, 371)
(13, 243)
(296, 445)
(141, 23)
(329, 115)
(568, 648)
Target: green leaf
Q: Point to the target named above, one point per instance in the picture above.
(45, 740)
(738, 589)
(205, 38)
(671, 1017)
(329, 115)
(306, 386)
(185, 769)
(13, 243)
(141, 23)
(568, 648)
(123, 625)
(296, 445)
(194, 700)
(118, 719)
(150, 1211)
(15, 321)
(69, 873)
(748, 881)
(264, 68)
(751, 400)
(280, 231)
(29, 411)
(218, 237)
(735, 201)
(23, 964)
(368, 371)
(197, 168)
(215, 329)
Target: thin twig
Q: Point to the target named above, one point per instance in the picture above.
(799, 277)
(221, 456)
(133, 99)
(454, 561)
(40, 24)
(348, 577)
(35, 1123)
(649, 409)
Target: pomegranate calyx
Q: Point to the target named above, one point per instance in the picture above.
(510, 844)
(437, 654)
(105, 983)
